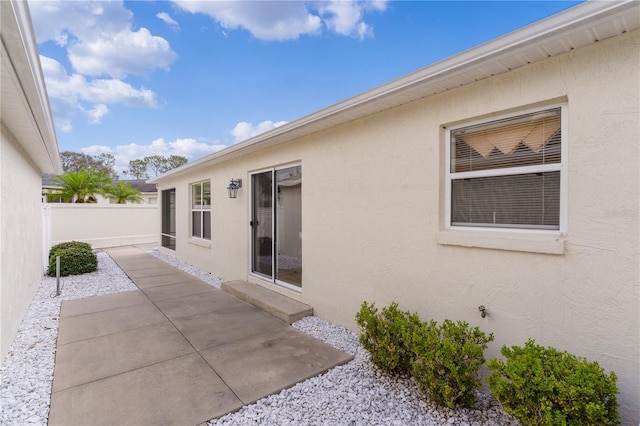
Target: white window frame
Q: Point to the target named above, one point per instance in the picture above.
(201, 210)
(561, 167)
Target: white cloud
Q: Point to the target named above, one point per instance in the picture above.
(99, 37)
(96, 150)
(167, 19)
(100, 41)
(286, 20)
(345, 18)
(244, 130)
(96, 114)
(127, 52)
(72, 93)
(67, 22)
(186, 147)
(273, 20)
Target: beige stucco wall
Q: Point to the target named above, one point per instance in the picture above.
(105, 225)
(21, 237)
(373, 217)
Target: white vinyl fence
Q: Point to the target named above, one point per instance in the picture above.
(101, 225)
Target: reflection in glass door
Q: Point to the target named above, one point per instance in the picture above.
(262, 223)
(277, 225)
(289, 225)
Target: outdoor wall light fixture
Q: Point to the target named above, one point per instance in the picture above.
(233, 187)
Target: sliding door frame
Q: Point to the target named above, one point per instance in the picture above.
(272, 279)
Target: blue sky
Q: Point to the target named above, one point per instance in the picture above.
(192, 77)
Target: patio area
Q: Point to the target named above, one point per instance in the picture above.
(176, 351)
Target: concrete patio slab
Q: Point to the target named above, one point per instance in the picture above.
(174, 277)
(150, 272)
(134, 265)
(226, 325)
(96, 324)
(93, 359)
(126, 252)
(102, 303)
(180, 391)
(196, 304)
(277, 359)
(152, 356)
(171, 291)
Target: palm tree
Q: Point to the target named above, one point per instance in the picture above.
(81, 185)
(123, 192)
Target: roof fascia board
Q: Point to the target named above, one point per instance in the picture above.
(19, 45)
(563, 23)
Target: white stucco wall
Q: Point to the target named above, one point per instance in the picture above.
(21, 236)
(373, 216)
(105, 225)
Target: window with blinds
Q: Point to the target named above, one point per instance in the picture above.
(506, 173)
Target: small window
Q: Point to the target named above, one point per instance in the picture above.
(201, 210)
(507, 173)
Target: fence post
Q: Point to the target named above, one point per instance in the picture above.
(46, 235)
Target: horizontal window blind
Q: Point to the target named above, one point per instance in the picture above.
(484, 193)
(532, 139)
(522, 201)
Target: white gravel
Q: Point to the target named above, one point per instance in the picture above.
(352, 394)
(27, 370)
(357, 393)
(204, 276)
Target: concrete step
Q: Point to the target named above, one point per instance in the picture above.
(281, 307)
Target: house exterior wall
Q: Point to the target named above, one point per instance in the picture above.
(104, 225)
(28, 148)
(21, 237)
(373, 225)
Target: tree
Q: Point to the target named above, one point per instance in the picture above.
(137, 169)
(76, 161)
(155, 163)
(175, 161)
(82, 185)
(122, 193)
(160, 164)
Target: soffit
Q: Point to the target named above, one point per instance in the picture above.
(25, 106)
(577, 27)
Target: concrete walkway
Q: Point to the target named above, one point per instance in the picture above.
(177, 351)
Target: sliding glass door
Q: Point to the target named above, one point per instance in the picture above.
(277, 225)
(262, 223)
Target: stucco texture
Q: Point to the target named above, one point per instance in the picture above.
(373, 225)
(104, 225)
(21, 237)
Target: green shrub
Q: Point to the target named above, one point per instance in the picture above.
(66, 245)
(73, 261)
(543, 386)
(382, 336)
(446, 361)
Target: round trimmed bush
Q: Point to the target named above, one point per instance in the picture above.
(66, 245)
(382, 336)
(73, 261)
(446, 361)
(543, 386)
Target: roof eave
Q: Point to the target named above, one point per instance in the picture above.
(25, 108)
(406, 89)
